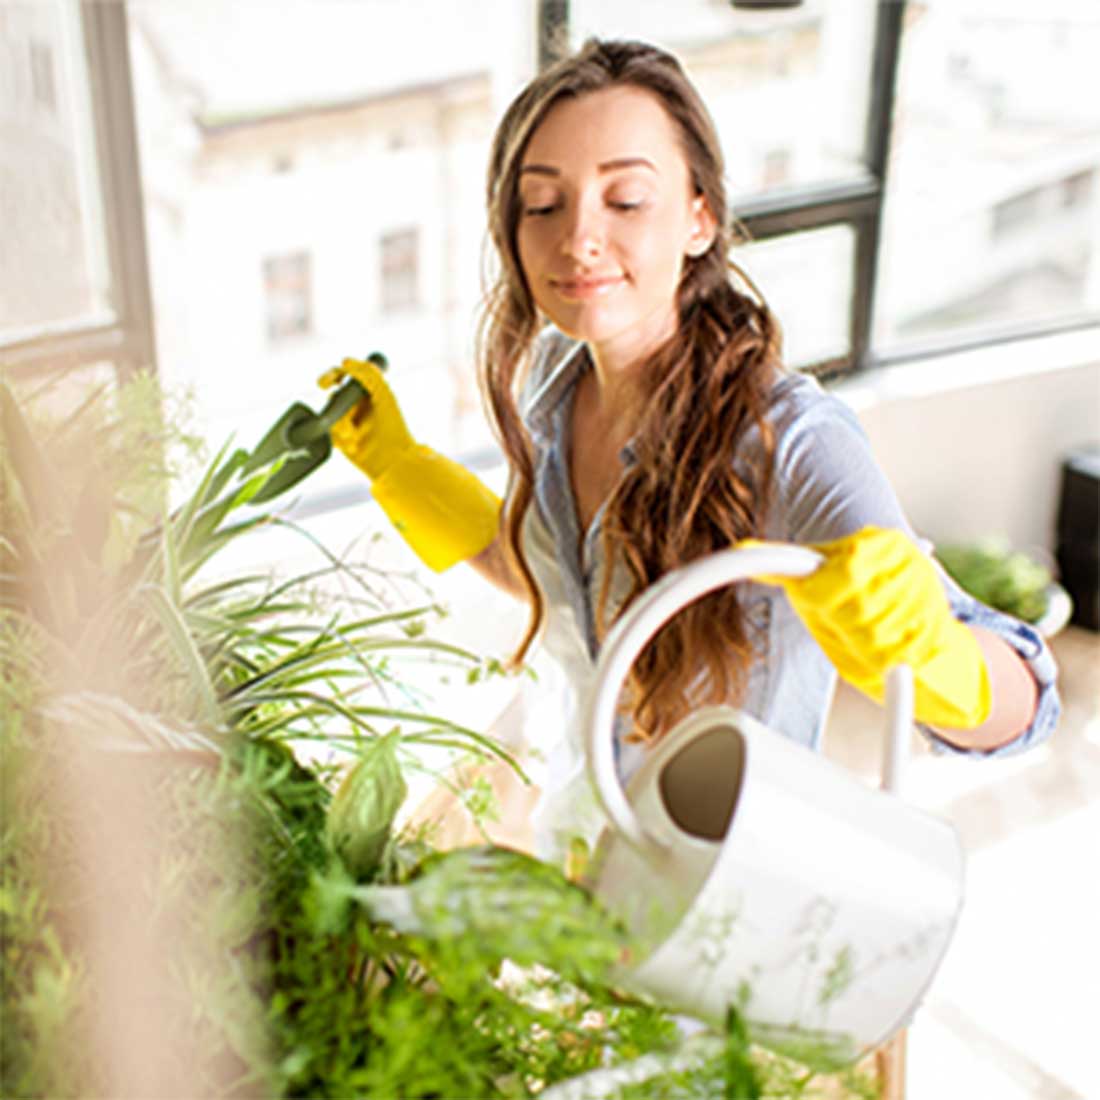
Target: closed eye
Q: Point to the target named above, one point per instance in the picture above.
(540, 211)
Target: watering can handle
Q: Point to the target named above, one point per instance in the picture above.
(649, 613)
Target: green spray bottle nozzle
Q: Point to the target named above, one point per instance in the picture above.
(302, 435)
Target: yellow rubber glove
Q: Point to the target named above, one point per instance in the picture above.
(442, 510)
(877, 601)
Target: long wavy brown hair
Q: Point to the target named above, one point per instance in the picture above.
(684, 496)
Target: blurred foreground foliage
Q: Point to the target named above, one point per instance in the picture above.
(154, 790)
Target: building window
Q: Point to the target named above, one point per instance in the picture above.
(43, 87)
(1077, 189)
(400, 282)
(287, 296)
(776, 168)
(1016, 214)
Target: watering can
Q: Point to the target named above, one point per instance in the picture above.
(754, 873)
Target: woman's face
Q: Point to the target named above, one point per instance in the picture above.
(607, 217)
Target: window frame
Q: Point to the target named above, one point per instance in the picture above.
(127, 341)
(857, 202)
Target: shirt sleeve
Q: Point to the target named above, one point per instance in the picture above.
(829, 484)
(1034, 652)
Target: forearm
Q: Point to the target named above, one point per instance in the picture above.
(1014, 695)
(492, 563)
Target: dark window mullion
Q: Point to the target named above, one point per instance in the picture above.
(889, 22)
(808, 208)
(856, 202)
(126, 339)
(107, 43)
(553, 29)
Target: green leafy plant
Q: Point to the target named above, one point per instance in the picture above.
(170, 740)
(1003, 578)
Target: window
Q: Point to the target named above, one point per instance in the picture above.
(387, 128)
(73, 265)
(287, 295)
(991, 221)
(857, 134)
(806, 279)
(777, 168)
(400, 270)
(1077, 190)
(807, 194)
(757, 73)
(956, 141)
(1015, 214)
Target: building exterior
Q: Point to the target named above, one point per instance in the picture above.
(314, 179)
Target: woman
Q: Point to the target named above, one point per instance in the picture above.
(635, 381)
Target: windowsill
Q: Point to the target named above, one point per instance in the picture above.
(972, 367)
(927, 377)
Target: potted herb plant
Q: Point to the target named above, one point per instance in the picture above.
(1008, 580)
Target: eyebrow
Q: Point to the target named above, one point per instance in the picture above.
(606, 166)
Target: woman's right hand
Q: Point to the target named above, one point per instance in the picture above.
(373, 434)
(441, 510)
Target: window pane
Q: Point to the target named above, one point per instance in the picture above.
(400, 254)
(993, 212)
(287, 291)
(53, 263)
(763, 75)
(806, 279)
(314, 182)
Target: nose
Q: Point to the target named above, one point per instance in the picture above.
(584, 237)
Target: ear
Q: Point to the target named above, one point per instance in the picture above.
(703, 227)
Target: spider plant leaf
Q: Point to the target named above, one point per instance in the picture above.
(222, 589)
(201, 515)
(184, 647)
(202, 494)
(202, 553)
(26, 464)
(207, 520)
(91, 517)
(169, 557)
(484, 746)
(117, 724)
(219, 479)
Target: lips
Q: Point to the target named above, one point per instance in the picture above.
(580, 287)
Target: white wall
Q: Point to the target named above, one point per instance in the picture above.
(974, 442)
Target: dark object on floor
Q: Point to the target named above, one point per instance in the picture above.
(1078, 534)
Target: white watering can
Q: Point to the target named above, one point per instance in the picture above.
(756, 873)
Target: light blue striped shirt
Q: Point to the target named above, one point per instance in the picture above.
(827, 484)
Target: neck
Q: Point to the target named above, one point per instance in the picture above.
(615, 391)
(618, 362)
(617, 379)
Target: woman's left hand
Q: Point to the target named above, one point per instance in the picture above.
(877, 601)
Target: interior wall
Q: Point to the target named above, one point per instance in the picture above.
(986, 458)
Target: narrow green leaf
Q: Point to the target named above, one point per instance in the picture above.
(223, 588)
(220, 478)
(184, 646)
(181, 520)
(26, 461)
(171, 564)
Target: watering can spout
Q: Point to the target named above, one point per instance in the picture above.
(754, 872)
